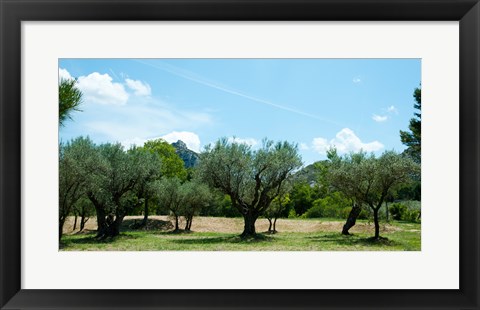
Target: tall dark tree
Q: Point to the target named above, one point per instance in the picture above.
(412, 139)
(368, 180)
(252, 179)
(69, 99)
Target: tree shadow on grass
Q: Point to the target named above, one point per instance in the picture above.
(225, 239)
(353, 240)
(89, 239)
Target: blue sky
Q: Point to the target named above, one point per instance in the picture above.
(351, 104)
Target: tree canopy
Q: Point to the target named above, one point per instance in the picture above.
(76, 161)
(369, 180)
(251, 178)
(170, 193)
(413, 138)
(172, 164)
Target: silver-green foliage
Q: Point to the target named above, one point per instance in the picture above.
(252, 178)
(196, 195)
(79, 164)
(109, 176)
(169, 192)
(369, 180)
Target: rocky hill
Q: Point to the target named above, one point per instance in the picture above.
(311, 173)
(189, 157)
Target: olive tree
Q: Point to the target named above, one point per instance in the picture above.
(151, 170)
(171, 197)
(83, 209)
(252, 178)
(114, 192)
(78, 163)
(368, 180)
(277, 207)
(195, 196)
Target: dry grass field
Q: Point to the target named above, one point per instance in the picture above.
(235, 225)
(222, 234)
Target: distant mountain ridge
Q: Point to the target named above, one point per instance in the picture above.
(309, 174)
(189, 157)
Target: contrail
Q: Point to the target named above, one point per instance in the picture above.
(201, 80)
(113, 73)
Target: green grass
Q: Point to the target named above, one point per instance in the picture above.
(405, 239)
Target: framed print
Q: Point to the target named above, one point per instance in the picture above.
(152, 78)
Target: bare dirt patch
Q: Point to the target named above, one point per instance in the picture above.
(235, 225)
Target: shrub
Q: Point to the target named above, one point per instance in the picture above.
(405, 211)
(333, 205)
(316, 211)
(292, 214)
(397, 210)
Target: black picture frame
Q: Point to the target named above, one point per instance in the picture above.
(13, 12)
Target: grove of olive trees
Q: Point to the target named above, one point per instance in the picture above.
(159, 182)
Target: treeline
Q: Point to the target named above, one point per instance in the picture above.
(311, 197)
(230, 180)
(111, 183)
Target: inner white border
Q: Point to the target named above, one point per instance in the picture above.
(435, 267)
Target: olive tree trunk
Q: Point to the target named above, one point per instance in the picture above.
(145, 213)
(375, 221)
(249, 228)
(352, 219)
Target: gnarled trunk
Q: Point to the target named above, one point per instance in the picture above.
(275, 225)
(60, 231)
(83, 221)
(75, 222)
(188, 224)
(116, 226)
(177, 228)
(101, 222)
(249, 228)
(145, 213)
(270, 225)
(352, 219)
(377, 225)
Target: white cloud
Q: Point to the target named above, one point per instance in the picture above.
(345, 141)
(140, 88)
(248, 141)
(356, 80)
(379, 118)
(64, 74)
(128, 143)
(321, 145)
(304, 147)
(99, 88)
(191, 139)
(392, 109)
